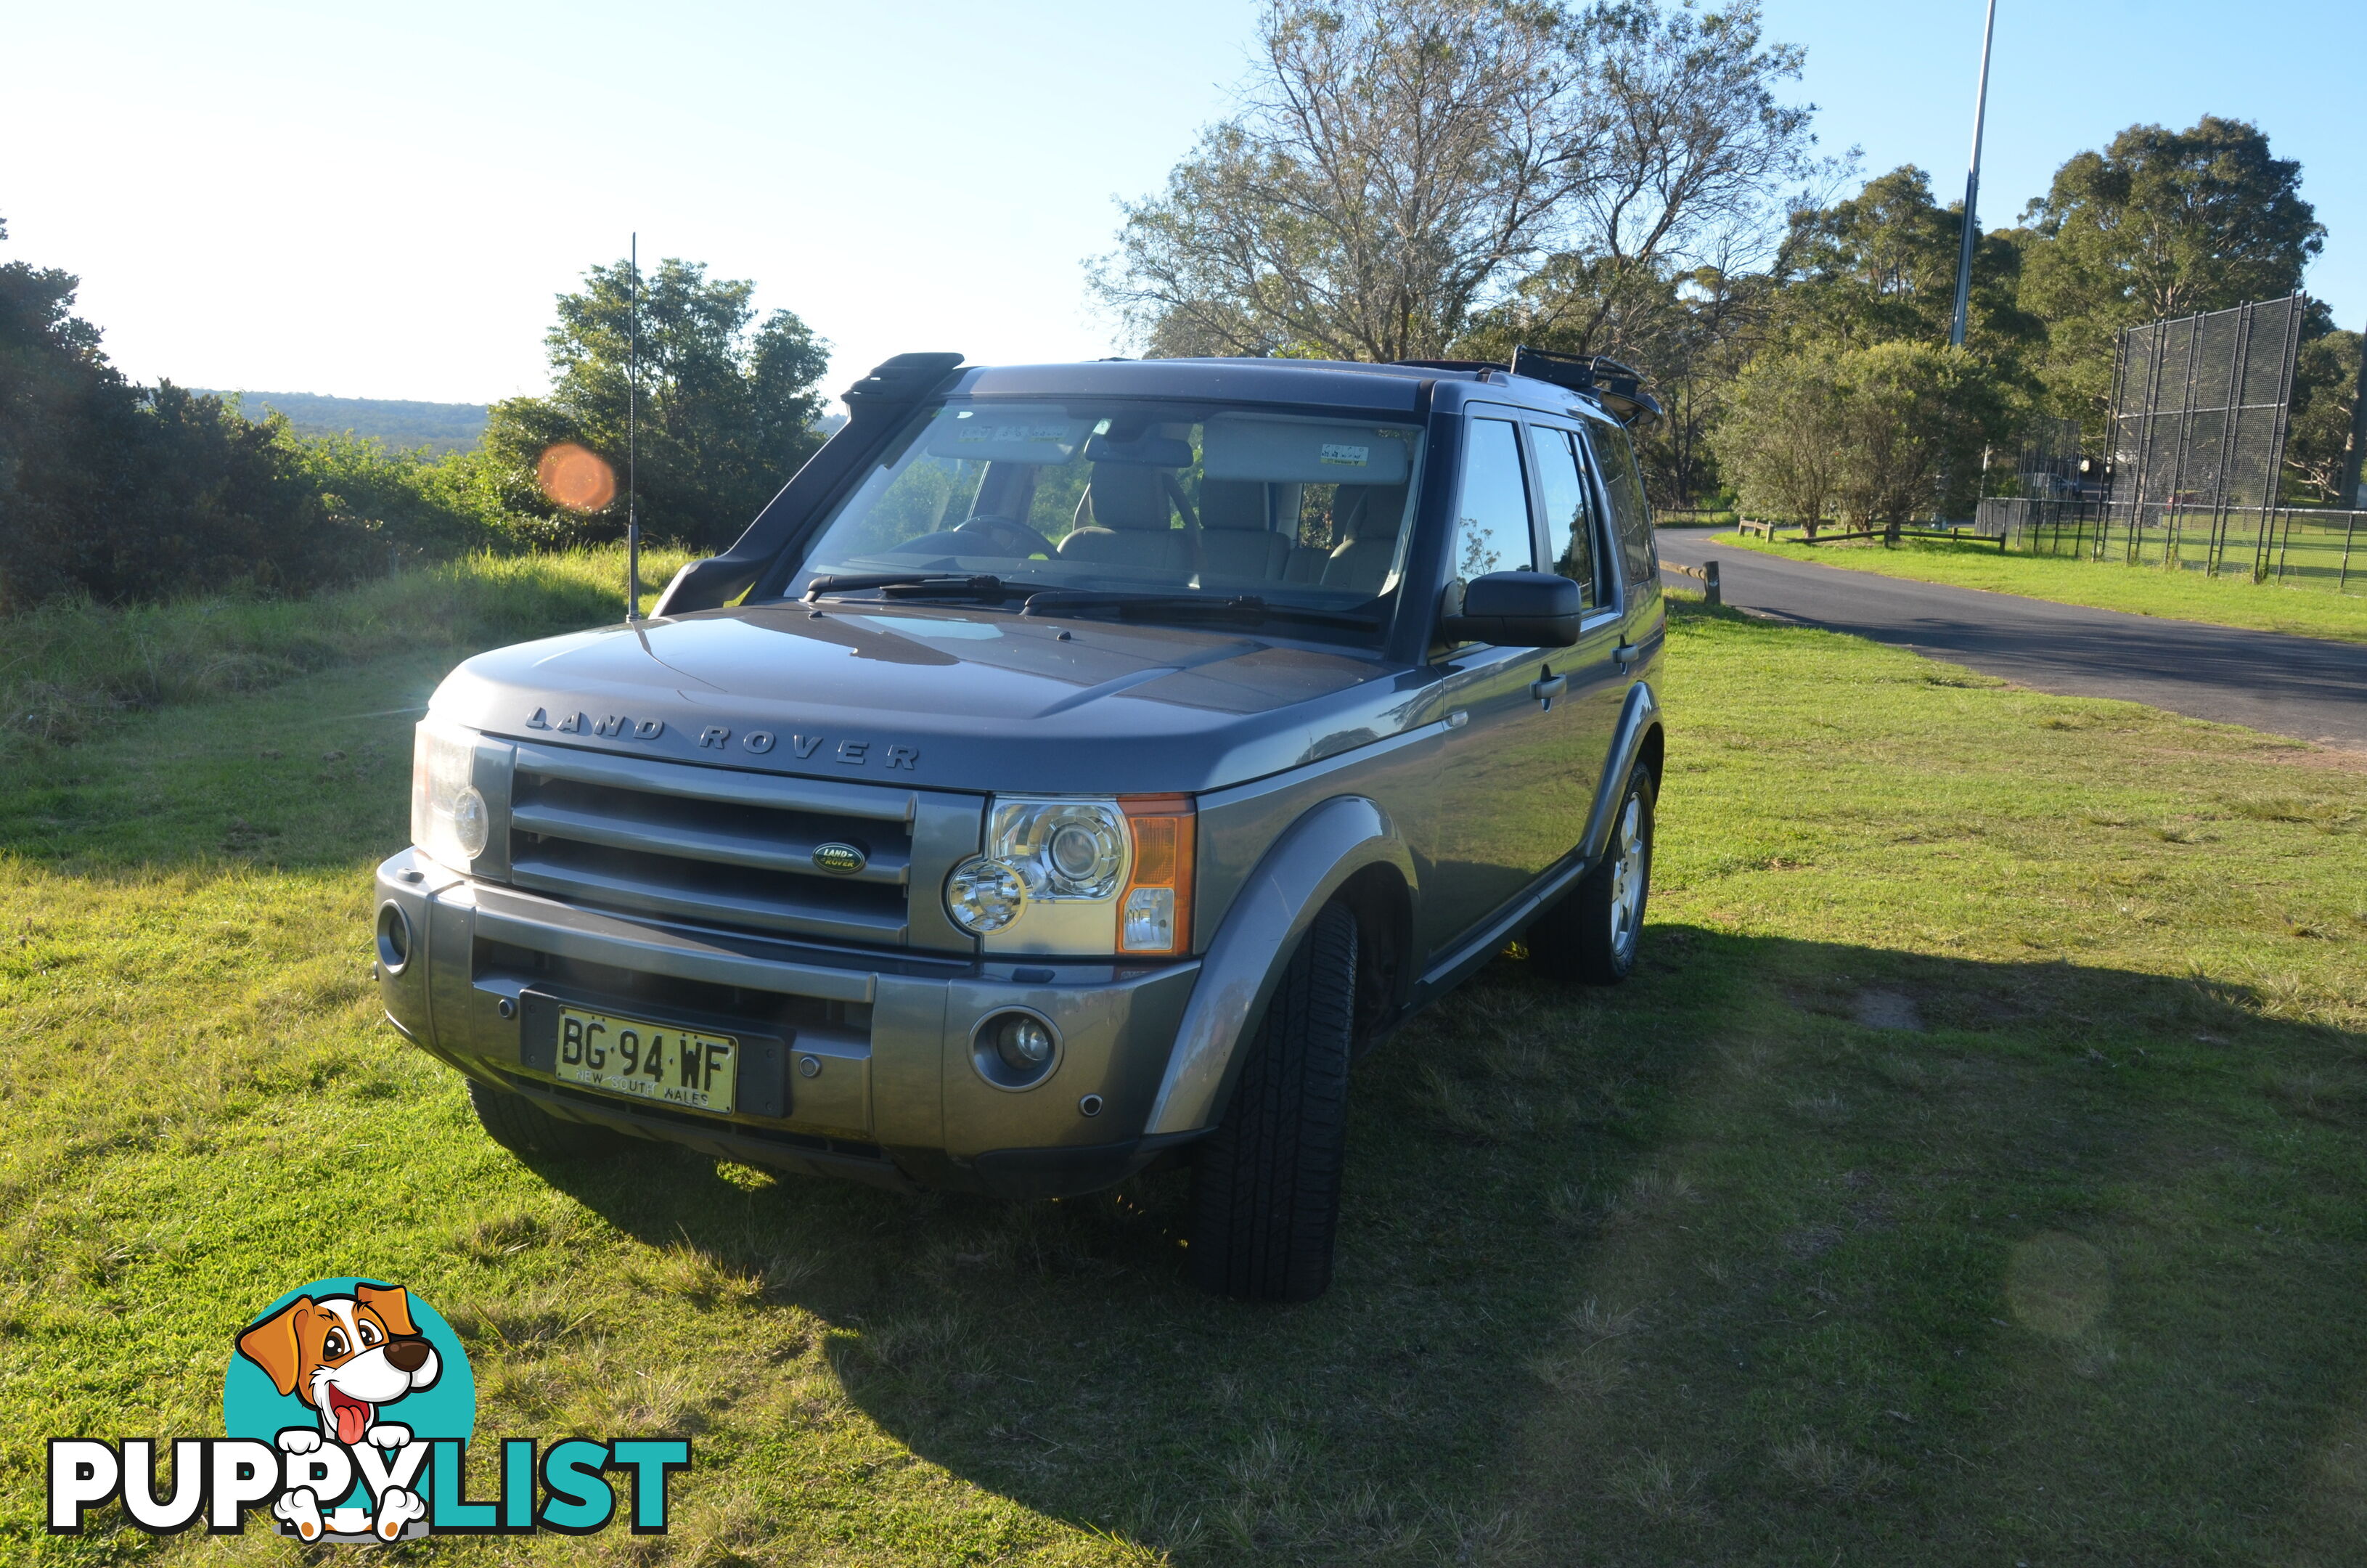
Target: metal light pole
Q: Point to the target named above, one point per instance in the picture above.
(1973, 191)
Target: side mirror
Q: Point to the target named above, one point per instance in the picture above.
(1517, 609)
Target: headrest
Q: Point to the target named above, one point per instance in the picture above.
(1129, 497)
(1356, 506)
(1233, 503)
(1148, 451)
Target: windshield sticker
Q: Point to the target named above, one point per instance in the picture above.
(1022, 435)
(1346, 456)
(1004, 435)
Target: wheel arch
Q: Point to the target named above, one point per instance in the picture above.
(1344, 848)
(1639, 738)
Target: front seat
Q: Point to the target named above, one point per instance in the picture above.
(1130, 523)
(1369, 516)
(1236, 540)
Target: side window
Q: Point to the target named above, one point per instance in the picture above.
(1625, 484)
(1492, 526)
(1569, 511)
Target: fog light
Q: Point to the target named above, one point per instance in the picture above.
(393, 937)
(470, 821)
(1023, 1043)
(1015, 1050)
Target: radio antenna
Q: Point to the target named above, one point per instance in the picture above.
(633, 433)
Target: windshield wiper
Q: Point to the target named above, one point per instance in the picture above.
(1247, 606)
(931, 584)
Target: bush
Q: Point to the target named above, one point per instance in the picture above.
(1879, 435)
(410, 504)
(118, 493)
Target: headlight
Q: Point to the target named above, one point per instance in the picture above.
(1080, 877)
(450, 818)
(985, 895)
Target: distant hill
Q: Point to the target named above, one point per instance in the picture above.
(438, 427)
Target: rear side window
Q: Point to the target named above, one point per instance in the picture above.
(1625, 484)
(1492, 518)
(1569, 510)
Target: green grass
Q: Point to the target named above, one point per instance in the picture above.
(1971, 1174)
(70, 669)
(2143, 590)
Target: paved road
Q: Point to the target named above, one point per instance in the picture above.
(2302, 687)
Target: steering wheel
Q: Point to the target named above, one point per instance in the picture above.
(1009, 535)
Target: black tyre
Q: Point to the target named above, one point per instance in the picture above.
(1265, 1186)
(523, 1128)
(1591, 936)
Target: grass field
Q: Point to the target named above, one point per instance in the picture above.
(1970, 1175)
(69, 670)
(2143, 590)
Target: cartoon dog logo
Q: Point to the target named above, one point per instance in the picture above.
(348, 1357)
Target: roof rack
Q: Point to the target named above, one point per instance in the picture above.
(1476, 367)
(1618, 387)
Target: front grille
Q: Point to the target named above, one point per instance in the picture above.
(611, 986)
(727, 848)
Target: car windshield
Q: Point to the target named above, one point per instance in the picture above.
(1159, 511)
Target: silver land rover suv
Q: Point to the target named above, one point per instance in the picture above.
(1074, 768)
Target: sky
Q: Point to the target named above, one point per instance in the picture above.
(384, 201)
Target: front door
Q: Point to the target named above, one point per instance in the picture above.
(1488, 834)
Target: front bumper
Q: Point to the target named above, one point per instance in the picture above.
(855, 1064)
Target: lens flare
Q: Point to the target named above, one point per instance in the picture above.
(576, 477)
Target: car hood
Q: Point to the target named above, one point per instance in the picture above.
(952, 699)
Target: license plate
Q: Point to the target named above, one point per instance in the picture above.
(647, 1062)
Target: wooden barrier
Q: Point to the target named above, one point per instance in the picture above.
(1705, 574)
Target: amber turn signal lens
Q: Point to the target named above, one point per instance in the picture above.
(1154, 912)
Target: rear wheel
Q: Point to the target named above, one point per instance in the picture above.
(522, 1127)
(1265, 1186)
(1593, 933)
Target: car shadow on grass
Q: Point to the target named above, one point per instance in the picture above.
(1784, 1250)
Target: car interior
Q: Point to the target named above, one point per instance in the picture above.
(1238, 503)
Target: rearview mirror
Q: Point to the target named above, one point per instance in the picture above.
(1517, 609)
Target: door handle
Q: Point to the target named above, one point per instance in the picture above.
(1545, 691)
(1626, 652)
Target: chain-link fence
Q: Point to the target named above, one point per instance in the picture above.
(2200, 410)
(2201, 407)
(2298, 547)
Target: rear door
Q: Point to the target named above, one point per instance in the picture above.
(1580, 720)
(1643, 619)
(1489, 835)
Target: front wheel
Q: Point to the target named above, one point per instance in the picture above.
(1265, 1186)
(1593, 933)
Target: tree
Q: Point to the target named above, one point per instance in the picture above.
(1392, 161)
(1881, 268)
(1399, 168)
(2326, 394)
(2160, 223)
(1781, 438)
(122, 493)
(1883, 434)
(726, 407)
(1914, 416)
(1683, 148)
